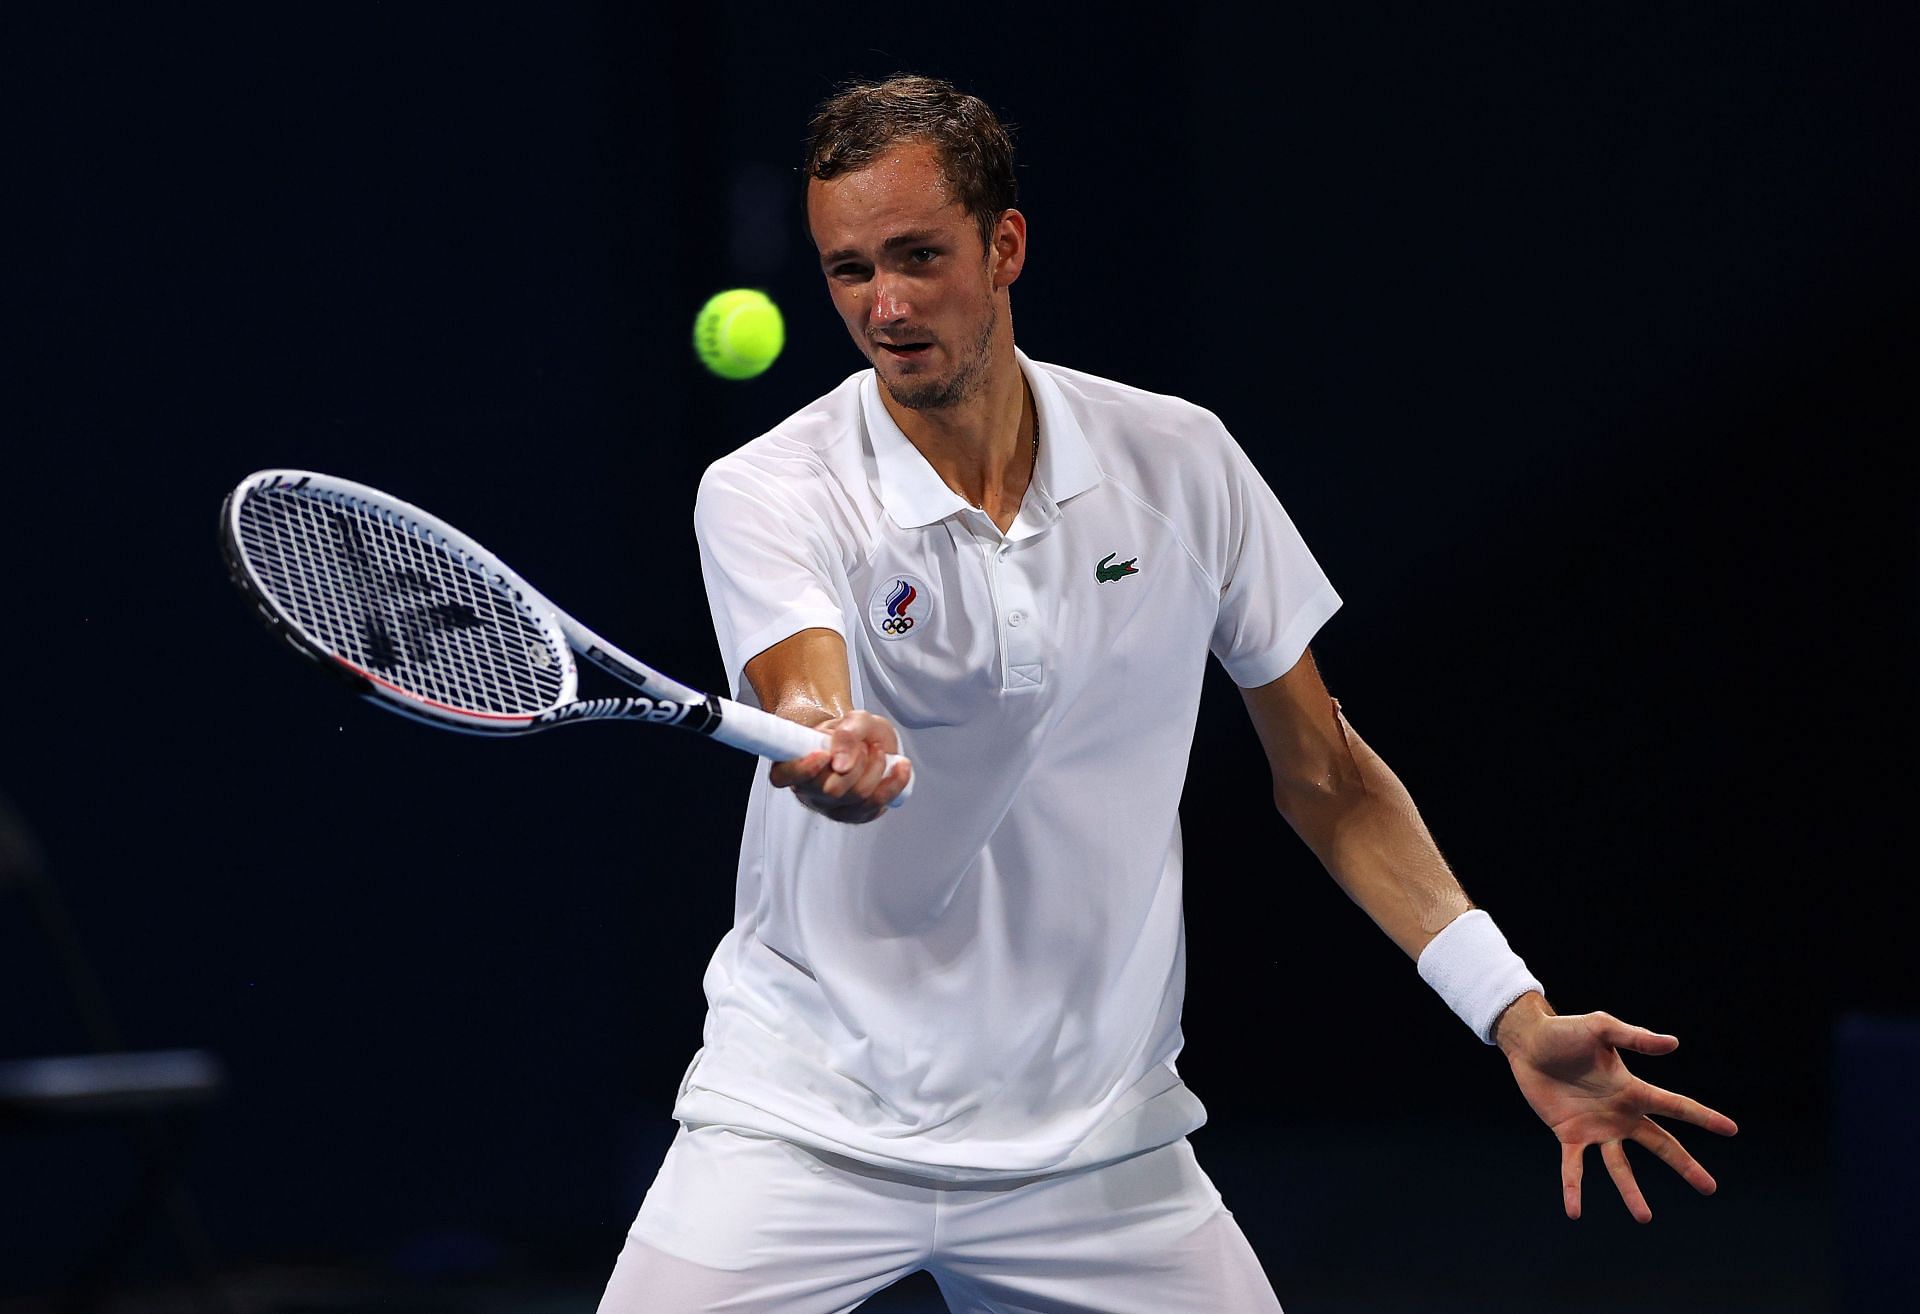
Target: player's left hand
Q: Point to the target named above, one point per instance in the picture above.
(1570, 1071)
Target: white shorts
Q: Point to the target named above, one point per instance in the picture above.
(741, 1222)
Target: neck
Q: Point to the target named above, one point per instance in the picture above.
(983, 447)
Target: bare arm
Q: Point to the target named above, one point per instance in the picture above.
(1355, 815)
(1352, 811)
(804, 678)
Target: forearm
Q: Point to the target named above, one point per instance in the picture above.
(803, 678)
(1362, 824)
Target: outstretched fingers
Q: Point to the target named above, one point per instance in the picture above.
(1669, 1105)
(1673, 1154)
(1576, 1082)
(1653, 1137)
(1614, 1155)
(1640, 1040)
(1572, 1168)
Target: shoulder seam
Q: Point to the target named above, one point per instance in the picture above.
(1179, 535)
(1100, 380)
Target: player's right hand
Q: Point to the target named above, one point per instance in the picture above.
(849, 780)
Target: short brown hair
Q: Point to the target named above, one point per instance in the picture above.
(863, 120)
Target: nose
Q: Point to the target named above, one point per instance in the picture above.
(889, 306)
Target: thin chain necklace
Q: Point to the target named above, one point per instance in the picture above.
(1036, 461)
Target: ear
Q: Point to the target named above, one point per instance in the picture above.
(1009, 254)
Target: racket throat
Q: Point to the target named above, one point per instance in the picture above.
(701, 717)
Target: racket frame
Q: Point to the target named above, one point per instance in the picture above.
(660, 701)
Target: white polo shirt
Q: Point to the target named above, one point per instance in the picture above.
(987, 982)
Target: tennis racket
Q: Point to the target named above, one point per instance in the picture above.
(421, 620)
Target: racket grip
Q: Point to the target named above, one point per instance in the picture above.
(781, 740)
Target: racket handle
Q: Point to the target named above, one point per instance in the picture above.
(781, 740)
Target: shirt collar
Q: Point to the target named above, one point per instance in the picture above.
(915, 496)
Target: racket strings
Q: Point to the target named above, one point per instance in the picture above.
(382, 594)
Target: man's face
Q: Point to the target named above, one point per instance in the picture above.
(909, 276)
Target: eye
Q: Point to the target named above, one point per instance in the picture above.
(924, 255)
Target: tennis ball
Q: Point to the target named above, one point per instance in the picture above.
(738, 333)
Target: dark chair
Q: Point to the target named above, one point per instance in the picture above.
(150, 1092)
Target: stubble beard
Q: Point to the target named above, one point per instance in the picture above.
(968, 378)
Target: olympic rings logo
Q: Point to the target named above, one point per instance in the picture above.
(891, 604)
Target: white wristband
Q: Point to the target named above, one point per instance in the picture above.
(1472, 968)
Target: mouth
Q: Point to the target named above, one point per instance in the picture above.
(905, 350)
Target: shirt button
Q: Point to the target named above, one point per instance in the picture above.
(1016, 618)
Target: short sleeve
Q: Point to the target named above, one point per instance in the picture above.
(769, 568)
(1273, 595)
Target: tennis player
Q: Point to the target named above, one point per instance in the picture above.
(944, 1037)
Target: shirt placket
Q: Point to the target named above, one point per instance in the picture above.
(1016, 615)
(1018, 618)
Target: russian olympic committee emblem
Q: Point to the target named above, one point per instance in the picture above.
(899, 607)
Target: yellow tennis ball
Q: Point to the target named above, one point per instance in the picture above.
(738, 333)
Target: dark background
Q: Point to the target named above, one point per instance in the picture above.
(1574, 342)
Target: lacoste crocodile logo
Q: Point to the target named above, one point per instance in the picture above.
(1103, 573)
